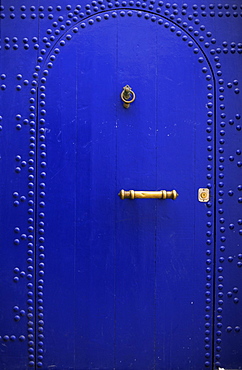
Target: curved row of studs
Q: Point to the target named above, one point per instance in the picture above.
(183, 24)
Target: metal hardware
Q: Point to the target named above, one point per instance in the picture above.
(162, 194)
(203, 195)
(127, 96)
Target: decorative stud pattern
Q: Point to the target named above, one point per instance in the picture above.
(189, 23)
(209, 78)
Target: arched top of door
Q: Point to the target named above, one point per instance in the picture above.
(182, 22)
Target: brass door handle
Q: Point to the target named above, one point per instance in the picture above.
(162, 194)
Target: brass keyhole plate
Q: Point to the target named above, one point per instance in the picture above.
(203, 195)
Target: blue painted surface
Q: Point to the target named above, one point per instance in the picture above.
(91, 281)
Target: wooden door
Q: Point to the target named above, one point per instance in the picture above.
(89, 280)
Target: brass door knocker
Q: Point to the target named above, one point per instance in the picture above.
(127, 96)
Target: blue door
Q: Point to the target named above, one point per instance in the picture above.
(125, 279)
(90, 280)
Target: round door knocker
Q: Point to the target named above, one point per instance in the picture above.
(127, 96)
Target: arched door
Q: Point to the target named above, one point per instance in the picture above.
(127, 283)
(89, 280)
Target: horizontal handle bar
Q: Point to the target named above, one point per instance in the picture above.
(162, 194)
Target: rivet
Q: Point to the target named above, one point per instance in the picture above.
(41, 316)
(30, 331)
(31, 350)
(30, 302)
(16, 308)
(237, 116)
(206, 339)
